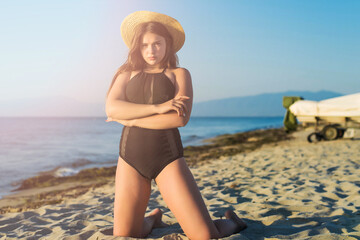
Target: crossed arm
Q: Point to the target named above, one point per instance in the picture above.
(150, 116)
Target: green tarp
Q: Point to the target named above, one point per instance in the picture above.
(290, 122)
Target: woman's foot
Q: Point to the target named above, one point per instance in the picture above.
(157, 214)
(241, 225)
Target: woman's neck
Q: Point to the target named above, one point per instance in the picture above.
(155, 68)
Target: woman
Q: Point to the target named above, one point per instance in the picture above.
(152, 97)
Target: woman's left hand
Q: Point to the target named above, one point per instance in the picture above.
(128, 123)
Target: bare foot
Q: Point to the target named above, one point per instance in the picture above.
(241, 225)
(157, 216)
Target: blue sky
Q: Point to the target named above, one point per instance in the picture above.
(232, 48)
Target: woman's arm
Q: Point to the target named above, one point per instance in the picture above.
(158, 121)
(170, 119)
(118, 108)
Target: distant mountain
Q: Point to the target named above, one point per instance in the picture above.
(267, 104)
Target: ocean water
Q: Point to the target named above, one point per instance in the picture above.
(29, 146)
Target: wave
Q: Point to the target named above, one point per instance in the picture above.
(65, 172)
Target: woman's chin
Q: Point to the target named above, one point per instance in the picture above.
(152, 63)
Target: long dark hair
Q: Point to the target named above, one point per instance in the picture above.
(135, 61)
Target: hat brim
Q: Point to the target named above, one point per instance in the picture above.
(136, 18)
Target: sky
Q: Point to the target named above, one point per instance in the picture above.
(232, 48)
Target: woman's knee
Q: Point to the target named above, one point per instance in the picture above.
(200, 234)
(127, 234)
(121, 233)
(126, 231)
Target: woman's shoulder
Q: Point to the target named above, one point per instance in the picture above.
(180, 74)
(121, 74)
(180, 71)
(126, 75)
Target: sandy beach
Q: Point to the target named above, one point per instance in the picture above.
(286, 189)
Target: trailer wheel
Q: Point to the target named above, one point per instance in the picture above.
(330, 132)
(341, 132)
(314, 137)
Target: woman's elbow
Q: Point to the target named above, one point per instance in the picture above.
(113, 112)
(108, 110)
(183, 121)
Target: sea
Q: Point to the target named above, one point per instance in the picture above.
(30, 146)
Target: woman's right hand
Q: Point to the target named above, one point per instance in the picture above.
(176, 104)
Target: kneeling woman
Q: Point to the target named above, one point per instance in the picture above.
(152, 97)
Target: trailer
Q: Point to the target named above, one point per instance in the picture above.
(340, 117)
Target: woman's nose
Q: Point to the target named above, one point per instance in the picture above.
(152, 49)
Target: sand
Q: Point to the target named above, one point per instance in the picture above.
(286, 190)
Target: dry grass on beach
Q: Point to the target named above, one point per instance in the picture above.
(288, 189)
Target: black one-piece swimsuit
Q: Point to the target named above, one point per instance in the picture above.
(149, 151)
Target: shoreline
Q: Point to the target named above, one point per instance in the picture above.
(288, 189)
(47, 188)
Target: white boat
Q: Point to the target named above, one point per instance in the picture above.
(340, 115)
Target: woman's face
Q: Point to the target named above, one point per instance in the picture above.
(153, 48)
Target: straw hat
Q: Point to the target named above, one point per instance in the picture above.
(136, 18)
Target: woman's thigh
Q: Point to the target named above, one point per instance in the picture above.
(132, 192)
(180, 192)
